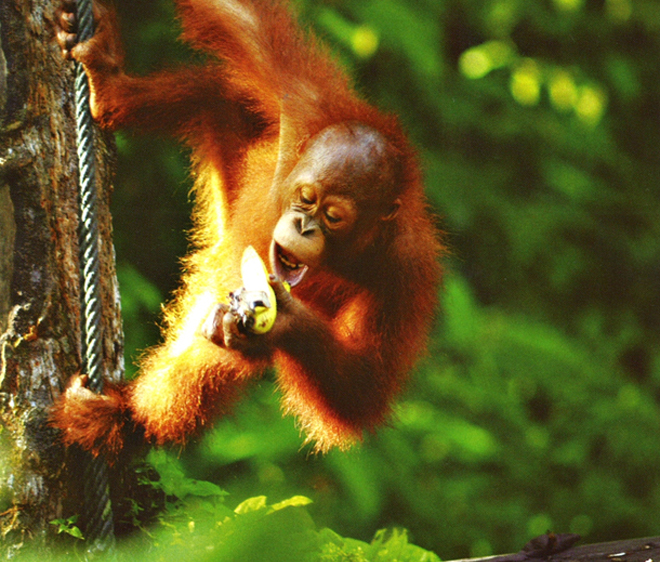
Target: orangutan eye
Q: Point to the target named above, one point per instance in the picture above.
(332, 216)
(337, 217)
(307, 196)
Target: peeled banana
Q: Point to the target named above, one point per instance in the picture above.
(254, 304)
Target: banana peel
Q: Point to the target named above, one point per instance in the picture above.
(254, 304)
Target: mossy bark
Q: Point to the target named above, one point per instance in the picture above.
(40, 344)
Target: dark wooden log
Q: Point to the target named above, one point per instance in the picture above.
(559, 548)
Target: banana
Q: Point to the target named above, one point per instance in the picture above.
(254, 304)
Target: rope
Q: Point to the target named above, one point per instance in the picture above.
(97, 509)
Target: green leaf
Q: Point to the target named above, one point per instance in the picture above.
(174, 482)
(67, 526)
(295, 501)
(251, 504)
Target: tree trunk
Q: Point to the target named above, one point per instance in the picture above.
(40, 341)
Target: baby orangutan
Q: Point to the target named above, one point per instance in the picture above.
(287, 159)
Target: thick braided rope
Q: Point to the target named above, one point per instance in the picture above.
(97, 510)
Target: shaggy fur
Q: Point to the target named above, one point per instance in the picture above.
(355, 328)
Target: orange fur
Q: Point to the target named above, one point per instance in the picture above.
(95, 422)
(248, 120)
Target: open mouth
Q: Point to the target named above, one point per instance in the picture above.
(286, 266)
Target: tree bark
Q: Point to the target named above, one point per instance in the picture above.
(40, 319)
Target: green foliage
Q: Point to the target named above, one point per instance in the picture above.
(174, 482)
(196, 525)
(384, 547)
(68, 526)
(536, 406)
(140, 303)
(255, 530)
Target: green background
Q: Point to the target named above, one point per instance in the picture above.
(537, 405)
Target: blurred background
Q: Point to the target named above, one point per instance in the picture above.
(537, 406)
